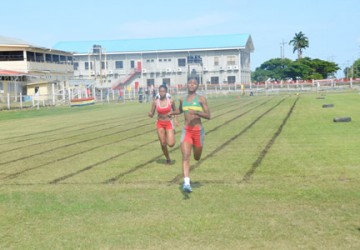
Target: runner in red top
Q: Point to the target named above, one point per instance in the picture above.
(164, 124)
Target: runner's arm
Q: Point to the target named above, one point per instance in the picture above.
(206, 111)
(152, 110)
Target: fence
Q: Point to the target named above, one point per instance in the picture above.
(104, 95)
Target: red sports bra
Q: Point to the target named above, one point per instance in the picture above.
(163, 110)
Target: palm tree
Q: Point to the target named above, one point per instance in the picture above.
(300, 42)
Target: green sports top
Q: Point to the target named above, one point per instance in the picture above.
(194, 105)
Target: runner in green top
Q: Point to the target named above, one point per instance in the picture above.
(194, 108)
(193, 105)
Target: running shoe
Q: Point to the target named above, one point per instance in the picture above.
(187, 188)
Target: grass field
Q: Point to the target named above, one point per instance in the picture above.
(276, 173)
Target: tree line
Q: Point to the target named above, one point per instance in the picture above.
(353, 71)
(302, 68)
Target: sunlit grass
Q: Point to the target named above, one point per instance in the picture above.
(94, 178)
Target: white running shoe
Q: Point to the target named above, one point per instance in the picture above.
(187, 188)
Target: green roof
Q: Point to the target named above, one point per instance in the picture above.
(160, 44)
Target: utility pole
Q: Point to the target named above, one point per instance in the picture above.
(100, 59)
(282, 51)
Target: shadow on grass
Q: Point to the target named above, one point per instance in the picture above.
(163, 161)
(186, 195)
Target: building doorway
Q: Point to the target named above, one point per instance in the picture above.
(166, 81)
(150, 82)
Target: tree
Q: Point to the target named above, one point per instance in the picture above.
(320, 69)
(298, 70)
(299, 42)
(353, 71)
(305, 68)
(274, 69)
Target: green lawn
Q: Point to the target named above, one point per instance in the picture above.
(276, 173)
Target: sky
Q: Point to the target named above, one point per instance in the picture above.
(332, 27)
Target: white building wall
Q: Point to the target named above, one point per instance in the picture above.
(157, 66)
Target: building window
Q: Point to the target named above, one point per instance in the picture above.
(87, 66)
(11, 56)
(56, 58)
(214, 80)
(39, 57)
(216, 61)
(48, 58)
(63, 59)
(132, 64)
(231, 60)
(1, 86)
(160, 60)
(150, 82)
(30, 56)
(231, 79)
(166, 81)
(70, 60)
(103, 65)
(181, 62)
(119, 64)
(76, 65)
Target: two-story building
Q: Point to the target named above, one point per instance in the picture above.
(214, 59)
(30, 69)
